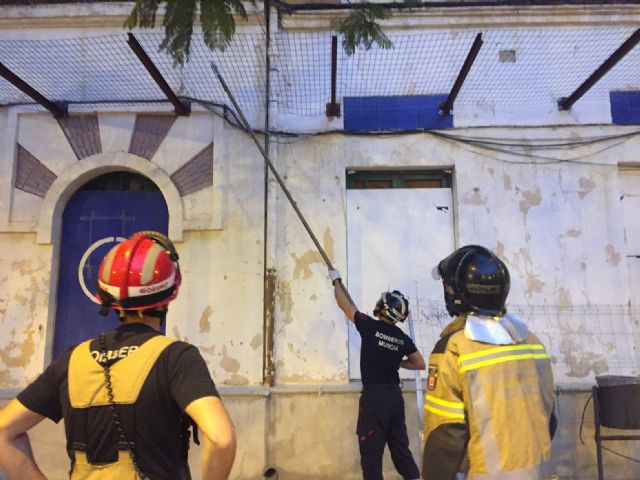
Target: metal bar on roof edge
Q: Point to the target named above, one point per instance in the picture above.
(447, 105)
(181, 108)
(57, 109)
(565, 103)
(333, 108)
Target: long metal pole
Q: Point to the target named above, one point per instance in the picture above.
(275, 173)
(412, 334)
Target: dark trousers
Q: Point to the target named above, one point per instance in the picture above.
(381, 422)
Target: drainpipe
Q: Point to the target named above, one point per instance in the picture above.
(269, 273)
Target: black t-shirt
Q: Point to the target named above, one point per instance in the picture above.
(383, 347)
(178, 377)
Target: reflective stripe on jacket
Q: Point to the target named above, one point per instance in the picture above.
(494, 402)
(87, 388)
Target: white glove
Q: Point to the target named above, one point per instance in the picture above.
(334, 275)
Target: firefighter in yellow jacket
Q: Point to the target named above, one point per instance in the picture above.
(489, 401)
(128, 397)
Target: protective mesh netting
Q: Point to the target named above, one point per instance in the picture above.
(583, 340)
(515, 67)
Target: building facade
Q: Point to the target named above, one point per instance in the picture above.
(387, 188)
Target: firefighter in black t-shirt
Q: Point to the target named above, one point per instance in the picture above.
(385, 348)
(129, 397)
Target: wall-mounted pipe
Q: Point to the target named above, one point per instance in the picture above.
(268, 374)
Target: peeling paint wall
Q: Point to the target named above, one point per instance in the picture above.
(557, 224)
(24, 300)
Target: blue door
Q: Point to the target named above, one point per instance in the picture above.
(92, 223)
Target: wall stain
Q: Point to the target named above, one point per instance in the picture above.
(296, 351)
(283, 294)
(304, 262)
(6, 381)
(205, 324)
(236, 380)
(256, 341)
(587, 186)
(18, 354)
(211, 350)
(24, 268)
(579, 362)
(228, 363)
(613, 257)
(573, 233)
(531, 199)
(508, 183)
(533, 282)
(474, 198)
(564, 297)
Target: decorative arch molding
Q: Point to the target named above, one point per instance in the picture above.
(69, 181)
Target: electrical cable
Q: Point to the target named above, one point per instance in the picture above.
(491, 145)
(584, 410)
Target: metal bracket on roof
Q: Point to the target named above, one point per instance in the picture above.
(181, 108)
(57, 109)
(447, 106)
(333, 108)
(565, 103)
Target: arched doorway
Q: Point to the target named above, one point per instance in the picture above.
(104, 211)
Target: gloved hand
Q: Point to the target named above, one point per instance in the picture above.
(334, 275)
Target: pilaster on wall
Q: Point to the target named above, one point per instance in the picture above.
(8, 125)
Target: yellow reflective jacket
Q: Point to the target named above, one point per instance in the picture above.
(490, 402)
(87, 389)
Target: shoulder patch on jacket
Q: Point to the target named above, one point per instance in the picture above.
(432, 379)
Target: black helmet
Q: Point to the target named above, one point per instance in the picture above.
(393, 305)
(478, 280)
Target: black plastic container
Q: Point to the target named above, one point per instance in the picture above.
(619, 401)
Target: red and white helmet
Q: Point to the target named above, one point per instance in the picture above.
(139, 273)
